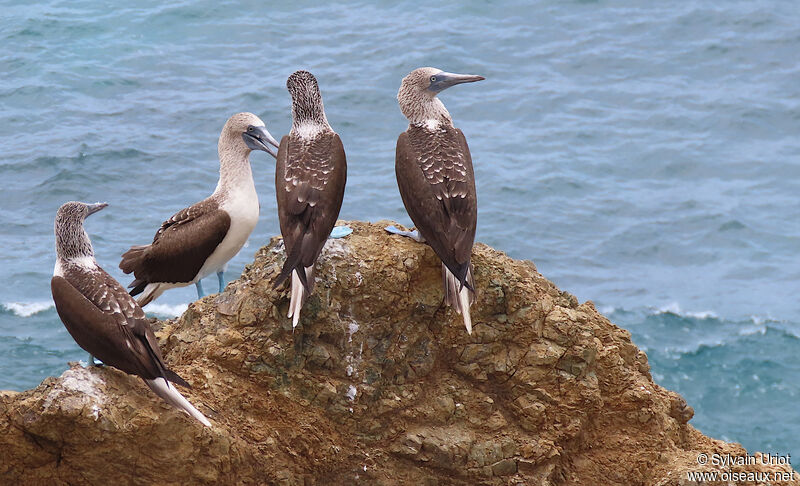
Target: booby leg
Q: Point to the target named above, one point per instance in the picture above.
(414, 235)
(200, 293)
(221, 278)
(92, 362)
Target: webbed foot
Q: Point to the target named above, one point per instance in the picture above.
(414, 235)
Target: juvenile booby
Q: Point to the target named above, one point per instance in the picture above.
(434, 173)
(100, 314)
(309, 183)
(200, 240)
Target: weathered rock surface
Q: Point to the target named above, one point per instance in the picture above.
(378, 384)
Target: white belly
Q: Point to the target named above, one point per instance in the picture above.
(243, 210)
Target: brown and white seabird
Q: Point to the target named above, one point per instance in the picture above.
(434, 173)
(100, 314)
(200, 240)
(309, 183)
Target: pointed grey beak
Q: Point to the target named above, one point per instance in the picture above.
(93, 208)
(445, 80)
(258, 138)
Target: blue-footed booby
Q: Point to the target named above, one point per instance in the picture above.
(434, 173)
(200, 240)
(100, 314)
(309, 183)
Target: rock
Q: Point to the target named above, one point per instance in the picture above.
(506, 467)
(378, 384)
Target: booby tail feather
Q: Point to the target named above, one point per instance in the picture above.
(459, 296)
(299, 293)
(131, 260)
(171, 395)
(290, 267)
(150, 292)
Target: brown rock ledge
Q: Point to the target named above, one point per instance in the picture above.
(377, 385)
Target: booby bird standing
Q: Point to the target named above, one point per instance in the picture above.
(100, 314)
(309, 183)
(434, 173)
(200, 240)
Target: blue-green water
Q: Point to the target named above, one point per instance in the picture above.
(645, 157)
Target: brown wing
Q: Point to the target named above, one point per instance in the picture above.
(180, 247)
(106, 321)
(437, 185)
(310, 179)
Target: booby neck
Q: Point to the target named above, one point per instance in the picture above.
(73, 246)
(72, 242)
(308, 112)
(423, 109)
(235, 173)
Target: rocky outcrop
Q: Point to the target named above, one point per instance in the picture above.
(379, 384)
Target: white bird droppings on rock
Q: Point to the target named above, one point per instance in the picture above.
(80, 380)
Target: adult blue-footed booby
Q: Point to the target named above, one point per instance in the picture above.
(200, 240)
(436, 181)
(100, 314)
(309, 183)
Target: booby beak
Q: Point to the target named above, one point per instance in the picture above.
(93, 208)
(445, 80)
(258, 138)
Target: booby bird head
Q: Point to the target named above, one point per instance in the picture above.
(434, 81)
(71, 239)
(248, 129)
(306, 99)
(418, 90)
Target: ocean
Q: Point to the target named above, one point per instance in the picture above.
(645, 157)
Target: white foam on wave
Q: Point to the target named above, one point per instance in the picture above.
(27, 309)
(762, 320)
(675, 308)
(607, 309)
(166, 310)
(751, 330)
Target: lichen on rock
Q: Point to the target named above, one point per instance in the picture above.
(379, 384)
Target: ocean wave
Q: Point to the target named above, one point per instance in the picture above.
(166, 310)
(607, 310)
(27, 309)
(675, 309)
(672, 308)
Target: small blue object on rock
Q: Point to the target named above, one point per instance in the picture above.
(340, 231)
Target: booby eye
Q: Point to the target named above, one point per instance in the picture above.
(250, 128)
(433, 79)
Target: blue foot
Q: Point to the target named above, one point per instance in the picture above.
(414, 235)
(92, 362)
(340, 231)
(221, 278)
(200, 293)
